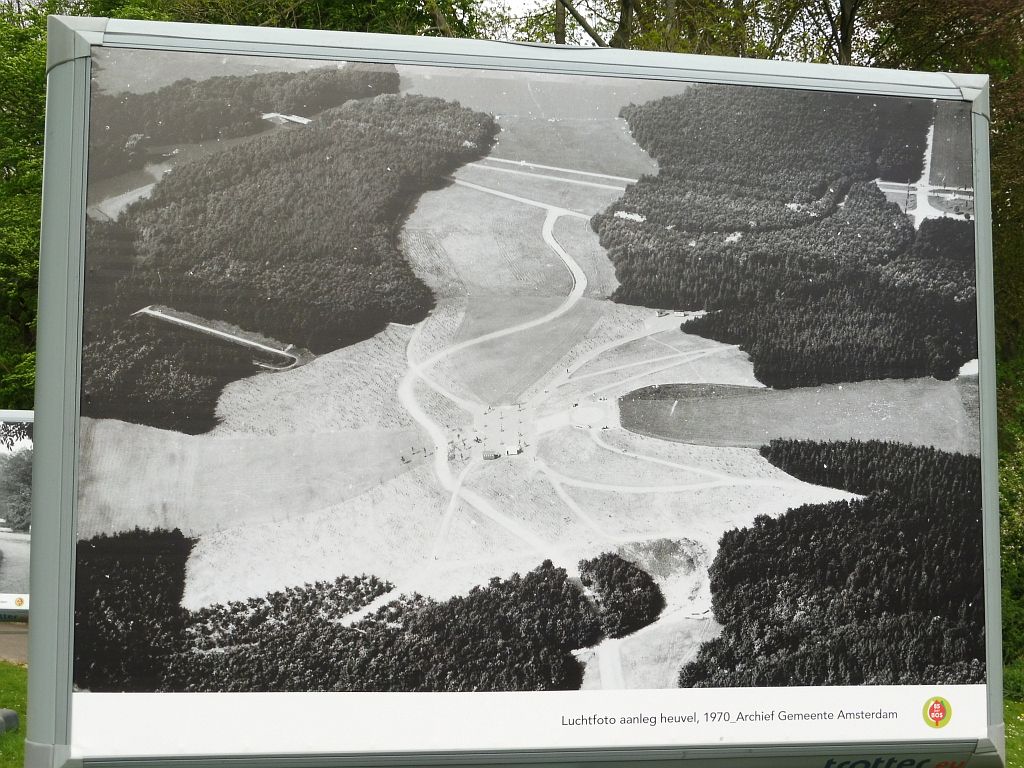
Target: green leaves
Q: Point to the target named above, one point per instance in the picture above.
(22, 107)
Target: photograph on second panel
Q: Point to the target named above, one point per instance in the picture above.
(15, 508)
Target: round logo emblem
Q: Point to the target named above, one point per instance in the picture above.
(937, 712)
(19, 601)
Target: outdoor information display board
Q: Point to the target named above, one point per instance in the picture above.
(15, 510)
(426, 401)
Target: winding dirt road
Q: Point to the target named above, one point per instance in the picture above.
(456, 476)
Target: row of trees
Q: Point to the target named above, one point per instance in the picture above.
(793, 142)
(627, 597)
(764, 209)
(292, 234)
(131, 633)
(124, 127)
(512, 634)
(239, 622)
(883, 590)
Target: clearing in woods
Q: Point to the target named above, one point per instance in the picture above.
(888, 409)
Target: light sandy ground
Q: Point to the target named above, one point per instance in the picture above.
(586, 195)
(438, 331)
(552, 118)
(487, 313)
(581, 454)
(617, 323)
(491, 247)
(384, 530)
(499, 371)
(306, 400)
(393, 529)
(702, 514)
(652, 656)
(532, 502)
(151, 478)
(658, 357)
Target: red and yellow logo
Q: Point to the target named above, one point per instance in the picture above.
(937, 712)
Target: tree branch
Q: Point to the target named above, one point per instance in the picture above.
(624, 30)
(439, 18)
(583, 23)
(782, 30)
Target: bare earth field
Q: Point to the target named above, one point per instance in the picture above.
(305, 399)
(916, 411)
(651, 533)
(383, 530)
(719, 363)
(652, 657)
(554, 120)
(702, 513)
(490, 245)
(580, 454)
(573, 192)
(502, 369)
(152, 478)
(549, 140)
(486, 314)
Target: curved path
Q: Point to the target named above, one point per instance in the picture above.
(656, 326)
(454, 478)
(609, 663)
(755, 482)
(595, 436)
(690, 357)
(576, 509)
(418, 373)
(579, 277)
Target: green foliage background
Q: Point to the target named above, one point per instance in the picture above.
(14, 688)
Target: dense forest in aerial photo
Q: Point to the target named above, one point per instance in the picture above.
(765, 209)
(513, 634)
(848, 593)
(413, 379)
(222, 238)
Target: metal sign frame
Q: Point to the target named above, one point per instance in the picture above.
(71, 41)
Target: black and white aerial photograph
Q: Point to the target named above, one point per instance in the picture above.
(420, 379)
(15, 505)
